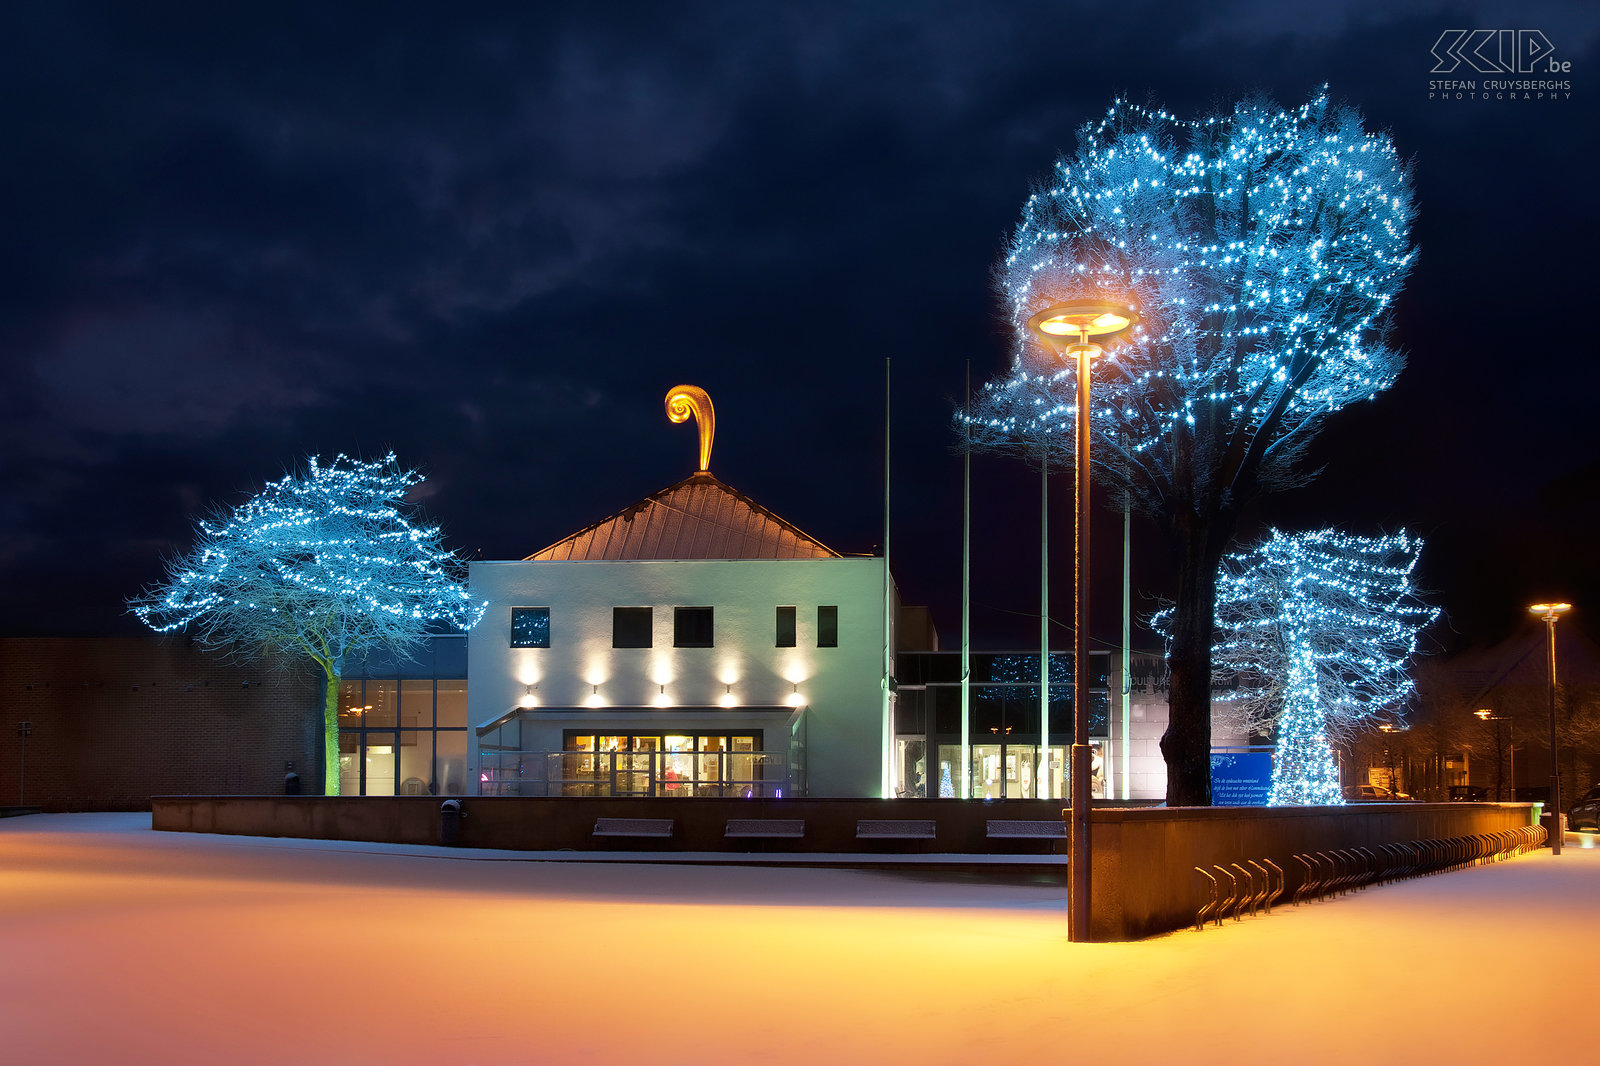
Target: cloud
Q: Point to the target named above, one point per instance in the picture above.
(170, 373)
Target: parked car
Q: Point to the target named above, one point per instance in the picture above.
(1586, 812)
(1469, 794)
(1373, 794)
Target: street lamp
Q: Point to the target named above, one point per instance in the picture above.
(1550, 612)
(1511, 751)
(1067, 328)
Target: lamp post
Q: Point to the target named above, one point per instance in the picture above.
(1511, 766)
(1550, 612)
(1067, 328)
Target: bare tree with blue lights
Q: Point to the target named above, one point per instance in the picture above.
(1316, 630)
(321, 564)
(1264, 249)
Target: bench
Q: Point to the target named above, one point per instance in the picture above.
(1006, 829)
(890, 829)
(766, 828)
(633, 827)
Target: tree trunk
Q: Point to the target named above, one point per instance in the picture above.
(1186, 745)
(330, 731)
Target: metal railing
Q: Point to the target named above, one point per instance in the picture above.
(1233, 889)
(638, 774)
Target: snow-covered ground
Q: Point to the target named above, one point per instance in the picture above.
(120, 945)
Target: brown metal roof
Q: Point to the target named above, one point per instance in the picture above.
(698, 518)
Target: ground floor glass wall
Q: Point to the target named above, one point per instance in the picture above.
(999, 770)
(1003, 726)
(671, 765)
(403, 737)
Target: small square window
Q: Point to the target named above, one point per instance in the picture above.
(530, 627)
(786, 627)
(827, 627)
(630, 627)
(691, 627)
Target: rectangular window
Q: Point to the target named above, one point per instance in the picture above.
(416, 704)
(530, 627)
(630, 627)
(691, 627)
(827, 627)
(786, 627)
(452, 704)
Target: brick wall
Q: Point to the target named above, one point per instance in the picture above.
(117, 720)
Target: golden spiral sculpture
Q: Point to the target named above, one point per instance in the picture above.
(686, 401)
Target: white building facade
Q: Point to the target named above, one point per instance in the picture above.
(695, 644)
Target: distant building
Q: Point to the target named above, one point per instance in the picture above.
(112, 721)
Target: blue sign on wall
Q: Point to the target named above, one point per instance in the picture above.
(1241, 778)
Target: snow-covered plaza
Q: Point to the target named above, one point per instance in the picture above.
(122, 945)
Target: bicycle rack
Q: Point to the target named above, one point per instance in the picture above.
(1274, 897)
(1207, 908)
(1233, 892)
(1339, 870)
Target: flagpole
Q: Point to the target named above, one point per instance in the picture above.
(966, 597)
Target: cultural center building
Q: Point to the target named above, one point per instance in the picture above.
(693, 644)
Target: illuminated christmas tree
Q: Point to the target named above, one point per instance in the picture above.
(321, 564)
(1263, 249)
(1315, 630)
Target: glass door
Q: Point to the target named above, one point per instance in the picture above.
(635, 768)
(708, 775)
(380, 756)
(677, 766)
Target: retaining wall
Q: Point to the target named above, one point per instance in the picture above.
(555, 823)
(1144, 860)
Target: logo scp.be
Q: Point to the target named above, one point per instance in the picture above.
(1497, 52)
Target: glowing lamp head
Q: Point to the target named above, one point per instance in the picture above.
(1485, 714)
(1550, 611)
(1067, 327)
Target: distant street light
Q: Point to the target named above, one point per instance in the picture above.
(1550, 612)
(1066, 328)
(1511, 752)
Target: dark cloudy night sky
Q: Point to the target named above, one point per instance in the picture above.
(491, 240)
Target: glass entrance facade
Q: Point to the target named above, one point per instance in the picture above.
(1003, 725)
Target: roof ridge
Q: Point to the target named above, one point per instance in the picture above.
(692, 521)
